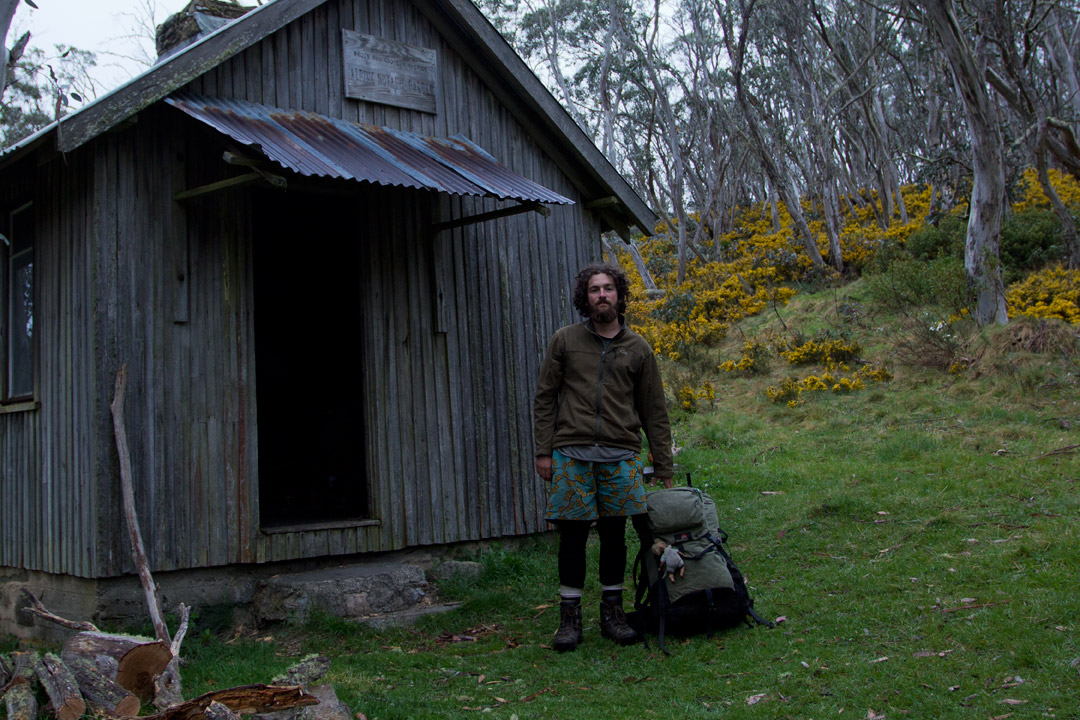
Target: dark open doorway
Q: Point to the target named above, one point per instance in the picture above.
(308, 363)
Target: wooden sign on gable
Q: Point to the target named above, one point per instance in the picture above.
(388, 72)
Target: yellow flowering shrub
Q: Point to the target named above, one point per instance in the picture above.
(754, 359)
(875, 373)
(1050, 293)
(689, 397)
(790, 391)
(787, 392)
(755, 265)
(822, 352)
(1031, 195)
(698, 312)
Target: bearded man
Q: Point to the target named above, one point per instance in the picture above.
(599, 387)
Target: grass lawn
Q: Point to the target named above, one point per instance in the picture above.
(919, 536)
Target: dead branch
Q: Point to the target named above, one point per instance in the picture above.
(138, 553)
(1060, 451)
(181, 631)
(167, 686)
(36, 608)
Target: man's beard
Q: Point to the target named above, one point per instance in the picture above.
(605, 314)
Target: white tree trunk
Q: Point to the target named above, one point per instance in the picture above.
(7, 12)
(981, 250)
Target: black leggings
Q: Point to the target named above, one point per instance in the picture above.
(572, 537)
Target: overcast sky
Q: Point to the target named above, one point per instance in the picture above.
(110, 28)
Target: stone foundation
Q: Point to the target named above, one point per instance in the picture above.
(365, 587)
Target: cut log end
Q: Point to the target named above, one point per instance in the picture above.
(73, 709)
(140, 665)
(128, 707)
(132, 662)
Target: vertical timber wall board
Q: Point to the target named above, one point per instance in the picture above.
(448, 414)
(188, 409)
(46, 503)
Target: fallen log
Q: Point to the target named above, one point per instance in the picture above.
(100, 692)
(61, 687)
(5, 672)
(20, 701)
(241, 700)
(130, 661)
(20, 670)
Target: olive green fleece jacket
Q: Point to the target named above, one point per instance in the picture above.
(586, 395)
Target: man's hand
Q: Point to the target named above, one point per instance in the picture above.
(543, 467)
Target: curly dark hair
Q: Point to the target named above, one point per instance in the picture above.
(581, 286)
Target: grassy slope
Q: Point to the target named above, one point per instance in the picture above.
(917, 537)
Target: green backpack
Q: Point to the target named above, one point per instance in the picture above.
(708, 592)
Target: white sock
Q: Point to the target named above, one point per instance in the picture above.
(569, 593)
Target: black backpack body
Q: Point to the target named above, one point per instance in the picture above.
(708, 593)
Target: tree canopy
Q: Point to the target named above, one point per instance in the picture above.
(711, 105)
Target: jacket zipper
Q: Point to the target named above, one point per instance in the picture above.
(600, 388)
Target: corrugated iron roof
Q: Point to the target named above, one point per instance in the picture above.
(313, 144)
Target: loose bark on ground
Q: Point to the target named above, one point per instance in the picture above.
(241, 700)
(306, 672)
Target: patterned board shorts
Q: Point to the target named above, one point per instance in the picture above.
(587, 490)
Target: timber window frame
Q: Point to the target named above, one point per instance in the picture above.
(17, 301)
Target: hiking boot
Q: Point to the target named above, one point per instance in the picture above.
(613, 623)
(568, 636)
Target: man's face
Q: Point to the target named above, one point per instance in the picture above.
(603, 298)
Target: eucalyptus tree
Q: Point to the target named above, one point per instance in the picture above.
(9, 57)
(968, 63)
(707, 105)
(1032, 67)
(862, 62)
(756, 121)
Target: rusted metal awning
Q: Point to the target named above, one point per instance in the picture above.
(311, 144)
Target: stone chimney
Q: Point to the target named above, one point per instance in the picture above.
(194, 22)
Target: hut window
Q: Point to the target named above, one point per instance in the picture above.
(17, 326)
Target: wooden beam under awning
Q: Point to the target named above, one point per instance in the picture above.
(492, 215)
(238, 181)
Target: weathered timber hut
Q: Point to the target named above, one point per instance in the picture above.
(329, 241)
